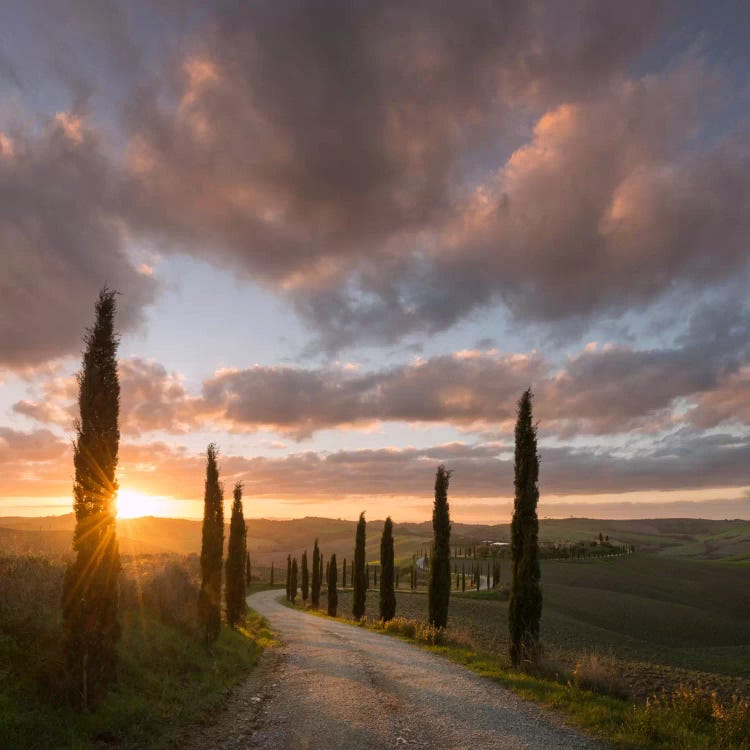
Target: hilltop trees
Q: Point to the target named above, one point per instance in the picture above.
(236, 561)
(440, 560)
(315, 588)
(90, 589)
(212, 549)
(333, 597)
(387, 594)
(359, 576)
(525, 607)
(305, 578)
(288, 578)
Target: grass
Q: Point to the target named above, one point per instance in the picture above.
(166, 679)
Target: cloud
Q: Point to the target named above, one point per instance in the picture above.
(337, 173)
(605, 391)
(61, 240)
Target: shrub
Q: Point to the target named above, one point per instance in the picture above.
(171, 593)
(599, 673)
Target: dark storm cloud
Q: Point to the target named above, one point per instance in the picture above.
(60, 240)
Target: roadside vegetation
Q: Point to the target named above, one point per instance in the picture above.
(165, 680)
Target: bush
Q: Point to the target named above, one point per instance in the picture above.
(691, 718)
(173, 593)
(599, 673)
(31, 626)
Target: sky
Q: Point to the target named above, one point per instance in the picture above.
(347, 235)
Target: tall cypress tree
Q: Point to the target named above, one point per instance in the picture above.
(440, 559)
(305, 578)
(271, 579)
(234, 589)
(525, 606)
(90, 598)
(293, 577)
(315, 588)
(387, 594)
(212, 550)
(288, 578)
(343, 574)
(333, 596)
(248, 571)
(359, 577)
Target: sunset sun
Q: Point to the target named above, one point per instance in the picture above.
(131, 504)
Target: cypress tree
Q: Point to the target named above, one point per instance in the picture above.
(305, 578)
(320, 571)
(525, 606)
(271, 580)
(293, 577)
(236, 560)
(333, 597)
(343, 575)
(248, 571)
(288, 578)
(315, 587)
(90, 598)
(387, 594)
(212, 550)
(463, 581)
(440, 559)
(359, 579)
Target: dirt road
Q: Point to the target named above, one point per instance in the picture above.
(331, 686)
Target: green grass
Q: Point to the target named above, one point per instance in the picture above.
(166, 680)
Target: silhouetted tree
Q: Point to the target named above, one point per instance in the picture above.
(305, 578)
(271, 579)
(343, 574)
(90, 598)
(212, 550)
(248, 571)
(463, 580)
(293, 578)
(359, 576)
(525, 607)
(315, 587)
(440, 568)
(236, 560)
(387, 594)
(333, 597)
(320, 571)
(289, 578)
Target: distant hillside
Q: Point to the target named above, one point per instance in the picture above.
(273, 540)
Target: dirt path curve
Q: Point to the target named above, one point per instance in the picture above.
(329, 685)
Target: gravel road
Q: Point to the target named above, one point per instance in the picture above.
(329, 685)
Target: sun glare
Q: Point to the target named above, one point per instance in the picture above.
(132, 504)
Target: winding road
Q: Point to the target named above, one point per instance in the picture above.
(329, 685)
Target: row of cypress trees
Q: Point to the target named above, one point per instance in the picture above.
(212, 547)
